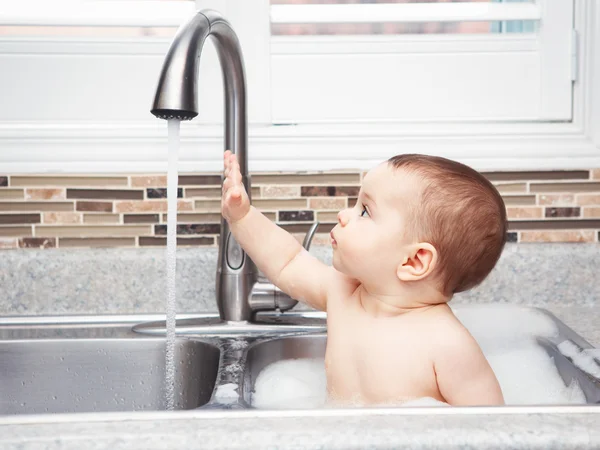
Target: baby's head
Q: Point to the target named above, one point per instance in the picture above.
(422, 217)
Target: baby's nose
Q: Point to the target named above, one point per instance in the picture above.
(343, 217)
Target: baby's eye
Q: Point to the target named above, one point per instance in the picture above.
(364, 211)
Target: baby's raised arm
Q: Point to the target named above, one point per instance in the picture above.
(275, 252)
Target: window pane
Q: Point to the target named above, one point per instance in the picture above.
(110, 9)
(395, 28)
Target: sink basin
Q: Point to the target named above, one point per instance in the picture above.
(98, 375)
(117, 363)
(547, 334)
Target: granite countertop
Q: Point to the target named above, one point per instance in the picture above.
(430, 428)
(477, 428)
(108, 282)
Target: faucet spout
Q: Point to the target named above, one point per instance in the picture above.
(177, 98)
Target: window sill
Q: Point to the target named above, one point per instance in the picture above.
(142, 147)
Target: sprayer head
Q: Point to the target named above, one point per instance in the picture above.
(177, 91)
(168, 114)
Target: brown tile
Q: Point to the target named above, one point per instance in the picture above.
(61, 217)
(518, 200)
(208, 217)
(200, 180)
(66, 181)
(15, 231)
(558, 224)
(327, 216)
(161, 192)
(556, 199)
(595, 174)
(96, 242)
(352, 202)
(192, 228)
(563, 212)
(44, 194)
(329, 191)
(12, 194)
(196, 218)
(19, 219)
(296, 216)
(538, 175)
(591, 212)
(36, 206)
(268, 191)
(181, 241)
(328, 203)
(565, 187)
(94, 206)
(3, 181)
(6, 243)
(524, 212)
(319, 178)
(105, 194)
(587, 199)
(37, 242)
(558, 236)
(205, 192)
(94, 231)
(101, 218)
(213, 192)
(272, 204)
(209, 205)
(303, 227)
(152, 206)
(505, 188)
(141, 218)
(149, 181)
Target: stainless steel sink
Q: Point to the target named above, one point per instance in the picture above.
(261, 354)
(84, 374)
(98, 363)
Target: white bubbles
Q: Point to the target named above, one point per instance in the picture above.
(506, 334)
(291, 383)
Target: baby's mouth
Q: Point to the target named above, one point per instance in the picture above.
(333, 241)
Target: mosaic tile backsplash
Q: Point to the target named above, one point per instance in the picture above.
(58, 211)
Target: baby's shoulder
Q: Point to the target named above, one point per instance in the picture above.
(451, 335)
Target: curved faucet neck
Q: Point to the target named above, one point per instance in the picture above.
(177, 97)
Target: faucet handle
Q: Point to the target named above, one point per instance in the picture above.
(309, 235)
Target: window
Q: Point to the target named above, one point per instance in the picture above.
(93, 18)
(331, 83)
(338, 60)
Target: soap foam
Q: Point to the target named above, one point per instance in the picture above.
(506, 334)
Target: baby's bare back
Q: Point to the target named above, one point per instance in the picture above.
(385, 360)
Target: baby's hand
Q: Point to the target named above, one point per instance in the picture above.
(235, 203)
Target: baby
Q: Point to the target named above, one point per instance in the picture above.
(422, 229)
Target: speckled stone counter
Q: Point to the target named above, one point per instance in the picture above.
(426, 428)
(124, 281)
(105, 281)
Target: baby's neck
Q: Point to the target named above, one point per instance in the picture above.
(378, 304)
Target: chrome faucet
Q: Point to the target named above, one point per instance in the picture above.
(239, 292)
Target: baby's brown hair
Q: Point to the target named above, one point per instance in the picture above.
(461, 214)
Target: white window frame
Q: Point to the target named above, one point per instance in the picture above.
(56, 147)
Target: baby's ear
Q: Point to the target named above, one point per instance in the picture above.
(419, 261)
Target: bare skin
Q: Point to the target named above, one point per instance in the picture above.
(391, 336)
